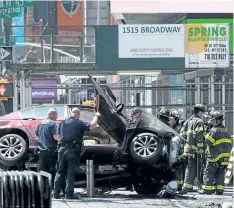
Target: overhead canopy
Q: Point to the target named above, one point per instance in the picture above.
(158, 18)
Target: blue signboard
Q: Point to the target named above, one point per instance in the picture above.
(18, 32)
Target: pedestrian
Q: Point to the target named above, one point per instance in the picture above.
(219, 145)
(192, 131)
(47, 132)
(72, 133)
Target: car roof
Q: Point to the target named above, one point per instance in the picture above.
(54, 105)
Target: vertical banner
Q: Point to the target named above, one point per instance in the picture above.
(69, 21)
(207, 46)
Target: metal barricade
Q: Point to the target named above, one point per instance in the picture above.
(25, 189)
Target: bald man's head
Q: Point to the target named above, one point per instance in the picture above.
(52, 114)
(76, 112)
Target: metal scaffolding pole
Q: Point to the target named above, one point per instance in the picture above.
(29, 96)
(15, 100)
(212, 89)
(22, 90)
(70, 96)
(223, 96)
(197, 92)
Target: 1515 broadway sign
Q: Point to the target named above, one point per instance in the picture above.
(207, 46)
(151, 41)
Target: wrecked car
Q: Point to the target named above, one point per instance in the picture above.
(146, 155)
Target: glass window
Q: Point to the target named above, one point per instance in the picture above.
(42, 111)
(27, 113)
(86, 115)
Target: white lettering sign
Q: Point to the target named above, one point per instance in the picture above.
(151, 41)
(43, 93)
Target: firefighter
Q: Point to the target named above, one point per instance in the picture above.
(192, 131)
(164, 115)
(176, 125)
(219, 146)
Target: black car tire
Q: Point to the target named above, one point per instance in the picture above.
(20, 148)
(150, 158)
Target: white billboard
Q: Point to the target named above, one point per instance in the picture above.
(171, 6)
(151, 41)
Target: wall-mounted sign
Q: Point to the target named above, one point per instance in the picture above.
(207, 46)
(151, 41)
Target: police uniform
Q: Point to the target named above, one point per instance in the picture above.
(47, 145)
(219, 145)
(71, 131)
(192, 131)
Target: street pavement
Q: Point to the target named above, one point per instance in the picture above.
(125, 199)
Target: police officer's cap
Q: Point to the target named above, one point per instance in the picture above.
(216, 115)
(199, 107)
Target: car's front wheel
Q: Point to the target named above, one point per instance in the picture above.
(12, 149)
(146, 148)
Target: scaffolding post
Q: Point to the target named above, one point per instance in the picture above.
(223, 96)
(212, 90)
(90, 178)
(198, 92)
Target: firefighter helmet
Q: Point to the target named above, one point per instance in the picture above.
(174, 114)
(164, 114)
(199, 107)
(216, 115)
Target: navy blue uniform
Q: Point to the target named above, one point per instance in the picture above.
(71, 131)
(47, 145)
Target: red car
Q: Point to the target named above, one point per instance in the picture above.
(17, 130)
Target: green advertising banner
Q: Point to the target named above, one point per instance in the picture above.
(207, 46)
(215, 21)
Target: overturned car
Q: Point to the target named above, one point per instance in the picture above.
(146, 155)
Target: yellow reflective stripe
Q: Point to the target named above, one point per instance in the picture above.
(180, 182)
(220, 187)
(224, 140)
(188, 185)
(209, 188)
(210, 138)
(220, 156)
(200, 145)
(198, 129)
(224, 163)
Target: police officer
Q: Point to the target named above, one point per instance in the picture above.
(192, 131)
(47, 132)
(164, 115)
(175, 124)
(72, 133)
(219, 145)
